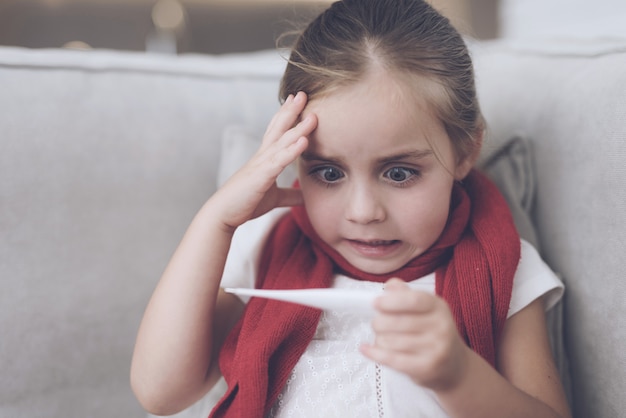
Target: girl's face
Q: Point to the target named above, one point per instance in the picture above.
(378, 173)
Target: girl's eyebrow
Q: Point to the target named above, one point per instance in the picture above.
(311, 156)
(409, 155)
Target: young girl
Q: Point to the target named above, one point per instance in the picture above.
(381, 117)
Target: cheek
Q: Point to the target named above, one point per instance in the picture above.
(316, 202)
(429, 209)
(323, 223)
(323, 210)
(423, 217)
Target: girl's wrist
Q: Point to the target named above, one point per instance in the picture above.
(210, 220)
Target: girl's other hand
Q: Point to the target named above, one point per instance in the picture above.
(252, 191)
(415, 334)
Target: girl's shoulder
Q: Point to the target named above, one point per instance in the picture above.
(534, 279)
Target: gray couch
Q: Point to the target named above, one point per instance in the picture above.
(105, 157)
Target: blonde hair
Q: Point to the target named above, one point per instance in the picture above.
(407, 38)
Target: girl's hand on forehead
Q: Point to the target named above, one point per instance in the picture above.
(415, 334)
(252, 191)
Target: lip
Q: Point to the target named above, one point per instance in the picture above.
(374, 248)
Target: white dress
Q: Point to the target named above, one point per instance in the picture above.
(332, 378)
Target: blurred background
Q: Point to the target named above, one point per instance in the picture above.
(201, 26)
(220, 26)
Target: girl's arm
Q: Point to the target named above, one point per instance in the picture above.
(423, 343)
(528, 382)
(188, 316)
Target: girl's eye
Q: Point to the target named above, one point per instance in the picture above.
(400, 174)
(328, 174)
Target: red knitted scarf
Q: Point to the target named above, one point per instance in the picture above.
(475, 260)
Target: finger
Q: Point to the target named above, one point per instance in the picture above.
(402, 341)
(302, 129)
(274, 157)
(401, 361)
(404, 299)
(396, 284)
(401, 322)
(286, 117)
(277, 115)
(283, 153)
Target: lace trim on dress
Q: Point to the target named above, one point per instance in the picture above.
(379, 391)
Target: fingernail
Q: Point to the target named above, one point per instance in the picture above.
(299, 97)
(289, 99)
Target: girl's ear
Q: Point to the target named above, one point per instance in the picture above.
(465, 164)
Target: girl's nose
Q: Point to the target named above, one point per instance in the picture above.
(363, 205)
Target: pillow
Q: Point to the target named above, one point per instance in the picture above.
(510, 167)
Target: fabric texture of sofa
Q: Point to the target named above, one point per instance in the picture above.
(105, 156)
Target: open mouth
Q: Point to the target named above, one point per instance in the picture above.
(374, 248)
(374, 243)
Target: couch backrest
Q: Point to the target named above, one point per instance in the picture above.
(569, 100)
(104, 159)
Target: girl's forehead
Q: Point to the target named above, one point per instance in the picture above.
(371, 103)
(371, 110)
(394, 90)
(383, 113)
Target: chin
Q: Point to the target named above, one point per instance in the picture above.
(377, 267)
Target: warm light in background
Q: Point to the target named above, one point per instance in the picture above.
(168, 15)
(169, 19)
(80, 45)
